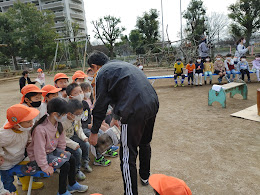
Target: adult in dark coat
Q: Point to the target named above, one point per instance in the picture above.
(25, 80)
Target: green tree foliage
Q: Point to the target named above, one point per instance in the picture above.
(195, 16)
(107, 29)
(28, 33)
(137, 41)
(246, 18)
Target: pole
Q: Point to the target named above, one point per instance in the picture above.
(162, 25)
(85, 54)
(55, 57)
(181, 20)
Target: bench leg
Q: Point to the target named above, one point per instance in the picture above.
(244, 92)
(30, 186)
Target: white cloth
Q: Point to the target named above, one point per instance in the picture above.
(2, 190)
(198, 77)
(216, 88)
(114, 133)
(12, 147)
(240, 51)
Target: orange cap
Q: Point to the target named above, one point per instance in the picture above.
(19, 113)
(80, 71)
(78, 75)
(49, 89)
(39, 70)
(166, 185)
(60, 76)
(30, 88)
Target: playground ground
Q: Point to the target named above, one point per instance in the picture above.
(211, 151)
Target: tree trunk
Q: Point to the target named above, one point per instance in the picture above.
(111, 53)
(76, 54)
(15, 62)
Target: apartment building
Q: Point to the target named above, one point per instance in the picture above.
(66, 12)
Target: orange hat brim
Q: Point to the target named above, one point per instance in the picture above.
(33, 113)
(51, 91)
(36, 91)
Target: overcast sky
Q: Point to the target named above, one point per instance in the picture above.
(129, 10)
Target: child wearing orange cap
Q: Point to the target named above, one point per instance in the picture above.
(49, 93)
(166, 185)
(61, 80)
(32, 97)
(41, 77)
(14, 137)
(48, 145)
(79, 77)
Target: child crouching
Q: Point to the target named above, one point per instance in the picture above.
(48, 147)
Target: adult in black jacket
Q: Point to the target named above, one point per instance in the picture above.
(135, 104)
(25, 80)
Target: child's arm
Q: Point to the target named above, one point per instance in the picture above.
(71, 144)
(226, 65)
(81, 134)
(62, 141)
(247, 65)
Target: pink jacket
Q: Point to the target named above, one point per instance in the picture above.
(45, 139)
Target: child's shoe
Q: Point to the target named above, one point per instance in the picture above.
(77, 188)
(87, 167)
(205, 82)
(192, 83)
(80, 176)
(176, 85)
(110, 153)
(249, 80)
(144, 182)
(102, 162)
(188, 83)
(66, 193)
(25, 183)
(182, 85)
(210, 82)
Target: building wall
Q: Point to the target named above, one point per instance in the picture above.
(65, 11)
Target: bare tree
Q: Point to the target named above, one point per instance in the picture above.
(108, 31)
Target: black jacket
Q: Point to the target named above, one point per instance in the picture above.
(127, 88)
(22, 82)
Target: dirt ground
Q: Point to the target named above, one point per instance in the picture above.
(203, 145)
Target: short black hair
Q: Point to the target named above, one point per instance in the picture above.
(70, 87)
(243, 56)
(74, 105)
(25, 72)
(178, 59)
(257, 55)
(198, 57)
(98, 58)
(30, 94)
(190, 61)
(229, 55)
(85, 86)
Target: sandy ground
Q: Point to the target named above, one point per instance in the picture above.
(211, 151)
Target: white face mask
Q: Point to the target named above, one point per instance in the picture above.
(218, 59)
(244, 41)
(198, 60)
(23, 128)
(78, 117)
(141, 67)
(87, 95)
(207, 59)
(243, 59)
(79, 97)
(228, 58)
(90, 78)
(62, 119)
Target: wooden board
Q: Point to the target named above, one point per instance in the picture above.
(248, 113)
(231, 85)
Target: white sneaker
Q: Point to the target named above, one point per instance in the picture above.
(80, 175)
(144, 182)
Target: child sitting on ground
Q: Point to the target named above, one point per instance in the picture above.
(199, 71)
(41, 77)
(14, 137)
(74, 91)
(190, 71)
(244, 68)
(230, 67)
(76, 140)
(48, 145)
(178, 71)
(208, 70)
(219, 68)
(61, 80)
(87, 90)
(256, 66)
(49, 93)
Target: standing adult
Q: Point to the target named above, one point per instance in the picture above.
(203, 48)
(25, 80)
(241, 49)
(135, 105)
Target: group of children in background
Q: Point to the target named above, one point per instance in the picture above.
(53, 131)
(226, 68)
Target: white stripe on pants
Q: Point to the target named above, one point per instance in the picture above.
(198, 76)
(126, 170)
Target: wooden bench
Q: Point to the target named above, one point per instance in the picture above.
(232, 88)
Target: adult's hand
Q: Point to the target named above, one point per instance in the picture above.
(2, 160)
(93, 139)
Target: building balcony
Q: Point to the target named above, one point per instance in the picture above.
(59, 15)
(76, 7)
(59, 25)
(77, 16)
(54, 5)
(77, 1)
